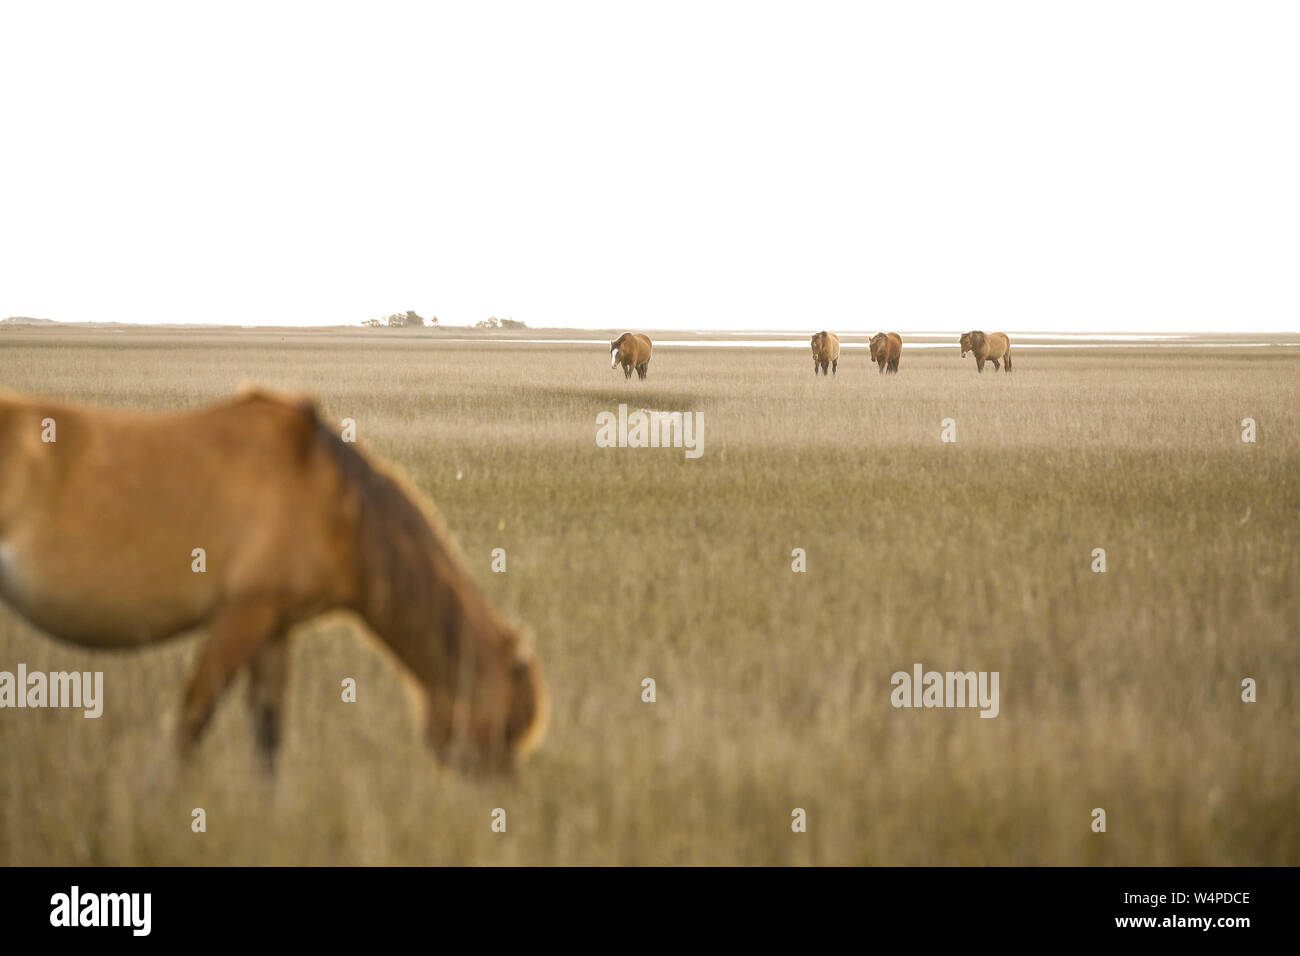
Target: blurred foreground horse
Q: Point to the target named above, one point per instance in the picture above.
(120, 529)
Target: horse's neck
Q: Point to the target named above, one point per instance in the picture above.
(430, 616)
(414, 589)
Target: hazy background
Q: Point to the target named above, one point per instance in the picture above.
(1047, 166)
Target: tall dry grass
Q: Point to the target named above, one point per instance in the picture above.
(1118, 690)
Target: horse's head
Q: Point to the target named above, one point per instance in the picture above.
(965, 343)
(482, 690)
(877, 345)
(817, 341)
(616, 349)
(496, 716)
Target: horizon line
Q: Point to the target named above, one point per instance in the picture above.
(37, 321)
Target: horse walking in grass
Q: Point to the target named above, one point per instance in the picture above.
(995, 348)
(632, 351)
(886, 350)
(826, 352)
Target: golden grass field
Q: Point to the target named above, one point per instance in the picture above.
(1118, 690)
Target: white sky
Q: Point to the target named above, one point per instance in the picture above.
(1034, 165)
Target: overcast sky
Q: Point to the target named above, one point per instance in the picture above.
(910, 165)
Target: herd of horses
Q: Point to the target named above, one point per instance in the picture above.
(887, 349)
(122, 529)
(632, 351)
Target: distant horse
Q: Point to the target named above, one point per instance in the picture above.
(631, 350)
(987, 348)
(886, 349)
(826, 352)
(121, 529)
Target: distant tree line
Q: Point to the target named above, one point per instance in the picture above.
(412, 320)
(400, 320)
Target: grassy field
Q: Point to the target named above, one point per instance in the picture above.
(1118, 690)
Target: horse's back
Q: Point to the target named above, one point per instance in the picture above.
(828, 346)
(127, 527)
(634, 347)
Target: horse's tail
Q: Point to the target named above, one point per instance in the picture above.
(1007, 358)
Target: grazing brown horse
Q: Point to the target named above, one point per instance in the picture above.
(826, 352)
(632, 351)
(886, 349)
(993, 348)
(103, 514)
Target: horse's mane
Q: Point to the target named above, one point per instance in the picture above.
(411, 576)
(414, 588)
(976, 340)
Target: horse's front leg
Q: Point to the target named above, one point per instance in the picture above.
(268, 678)
(237, 631)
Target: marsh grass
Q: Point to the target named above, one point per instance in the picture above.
(1118, 690)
